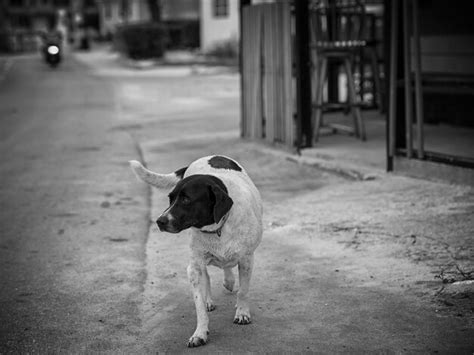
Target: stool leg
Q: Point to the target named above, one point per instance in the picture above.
(319, 96)
(314, 88)
(359, 127)
(376, 77)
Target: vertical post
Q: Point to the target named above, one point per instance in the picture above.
(303, 75)
(407, 80)
(241, 63)
(333, 68)
(392, 110)
(418, 89)
(400, 125)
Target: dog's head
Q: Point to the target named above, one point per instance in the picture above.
(196, 201)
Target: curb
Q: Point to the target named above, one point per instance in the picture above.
(461, 286)
(119, 65)
(338, 167)
(163, 68)
(345, 169)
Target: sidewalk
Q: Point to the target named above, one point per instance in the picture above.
(349, 263)
(344, 266)
(105, 62)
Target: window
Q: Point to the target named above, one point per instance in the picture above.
(221, 8)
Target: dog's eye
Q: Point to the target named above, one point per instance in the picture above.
(185, 200)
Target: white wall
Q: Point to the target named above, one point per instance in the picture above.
(215, 30)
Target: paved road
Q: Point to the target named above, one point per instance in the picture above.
(73, 229)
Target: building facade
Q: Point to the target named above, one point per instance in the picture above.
(116, 12)
(219, 22)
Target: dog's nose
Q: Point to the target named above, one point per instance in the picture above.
(162, 221)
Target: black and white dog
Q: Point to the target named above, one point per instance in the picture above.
(216, 198)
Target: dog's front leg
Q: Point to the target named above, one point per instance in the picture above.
(229, 279)
(208, 297)
(242, 314)
(197, 279)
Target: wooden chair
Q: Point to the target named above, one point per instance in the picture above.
(337, 28)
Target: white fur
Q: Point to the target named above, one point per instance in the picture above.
(240, 236)
(160, 181)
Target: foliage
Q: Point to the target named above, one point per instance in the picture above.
(5, 42)
(228, 49)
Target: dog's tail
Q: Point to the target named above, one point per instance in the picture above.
(160, 181)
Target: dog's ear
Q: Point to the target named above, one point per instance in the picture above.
(222, 203)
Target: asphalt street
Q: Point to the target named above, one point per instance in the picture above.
(72, 227)
(345, 266)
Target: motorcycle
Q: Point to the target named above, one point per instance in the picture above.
(52, 54)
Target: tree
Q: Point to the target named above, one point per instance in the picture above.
(155, 10)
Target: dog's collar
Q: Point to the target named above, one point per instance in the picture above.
(218, 228)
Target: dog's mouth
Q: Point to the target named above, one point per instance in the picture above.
(172, 227)
(171, 224)
(169, 228)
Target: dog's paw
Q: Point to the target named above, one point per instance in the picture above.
(242, 316)
(198, 340)
(210, 306)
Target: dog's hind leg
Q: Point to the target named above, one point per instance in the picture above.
(198, 284)
(229, 279)
(242, 314)
(209, 303)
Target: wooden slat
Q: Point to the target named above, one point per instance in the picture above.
(247, 70)
(407, 76)
(268, 93)
(268, 68)
(287, 67)
(251, 92)
(258, 32)
(278, 82)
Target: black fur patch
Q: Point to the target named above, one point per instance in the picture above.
(220, 162)
(180, 172)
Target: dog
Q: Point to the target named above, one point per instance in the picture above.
(217, 200)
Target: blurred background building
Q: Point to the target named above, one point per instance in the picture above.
(189, 24)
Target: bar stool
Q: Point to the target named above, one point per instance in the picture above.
(368, 58)
(337, 37)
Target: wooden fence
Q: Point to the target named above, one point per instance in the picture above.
(268, 93)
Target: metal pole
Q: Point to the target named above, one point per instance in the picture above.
(303, 74)
(393, 78)
(418, 86)
(407, 79)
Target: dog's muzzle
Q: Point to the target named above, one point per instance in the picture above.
(162, 222)
(165, 223)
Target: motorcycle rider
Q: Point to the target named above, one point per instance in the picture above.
(51, 37)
